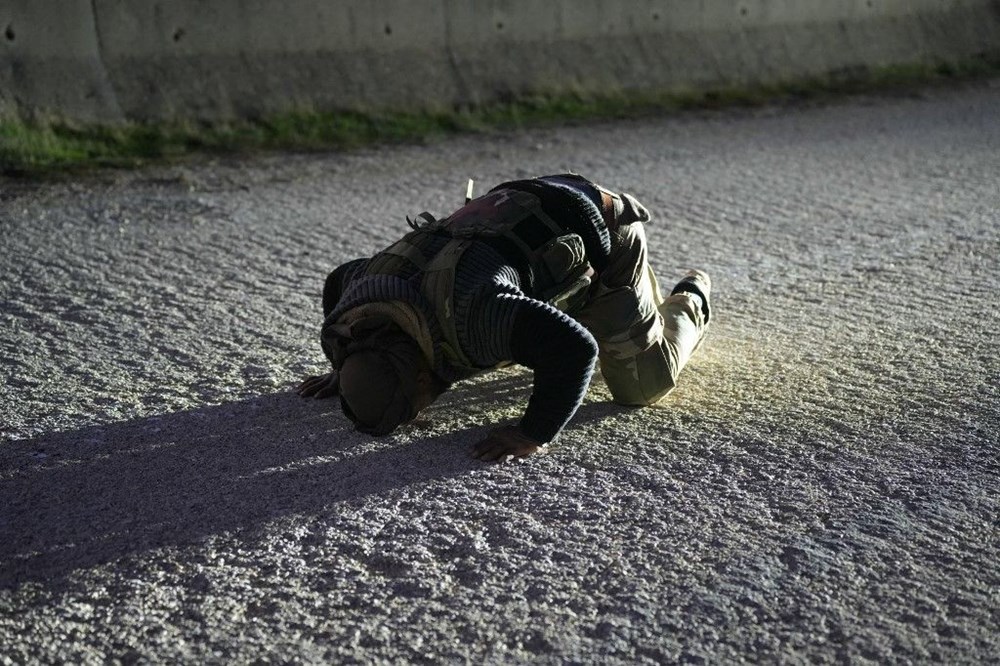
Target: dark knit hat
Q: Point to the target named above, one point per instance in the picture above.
(378, 381)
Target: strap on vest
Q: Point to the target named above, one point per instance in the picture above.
(407, 250)
(420, 220)
(438, 286)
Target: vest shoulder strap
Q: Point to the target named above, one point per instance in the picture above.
(438, 287)
(406, 256)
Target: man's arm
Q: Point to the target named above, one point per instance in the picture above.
(562, 355)
(337, 281)
(328, 385)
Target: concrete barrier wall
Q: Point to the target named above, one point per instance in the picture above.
(115, 60)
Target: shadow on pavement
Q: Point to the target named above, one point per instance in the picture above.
(75, 499)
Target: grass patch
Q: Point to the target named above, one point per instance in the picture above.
(45, 147)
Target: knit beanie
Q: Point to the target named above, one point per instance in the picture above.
(378, 382)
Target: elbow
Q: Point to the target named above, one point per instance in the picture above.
(584, 353)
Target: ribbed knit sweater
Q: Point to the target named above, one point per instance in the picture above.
(496, 322)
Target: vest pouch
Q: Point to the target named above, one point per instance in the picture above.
(563, 272)
(561, 259)
(573, 296)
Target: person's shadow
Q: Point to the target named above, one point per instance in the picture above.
(75, 499)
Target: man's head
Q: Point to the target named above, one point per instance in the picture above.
(386, 381)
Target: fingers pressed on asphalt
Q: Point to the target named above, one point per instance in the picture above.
(313, 384)
(484, 450)
(307, 383)
(328, 390)
(492, 449)
(320, 386)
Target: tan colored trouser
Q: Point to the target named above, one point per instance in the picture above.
(644, 339)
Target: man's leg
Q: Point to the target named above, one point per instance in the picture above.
(645, 340)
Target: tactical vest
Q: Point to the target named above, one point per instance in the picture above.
(552, 262)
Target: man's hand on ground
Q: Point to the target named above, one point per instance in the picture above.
(320, 386)
(504, 444)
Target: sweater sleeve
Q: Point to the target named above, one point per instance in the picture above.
(562, 354)
(337, 281)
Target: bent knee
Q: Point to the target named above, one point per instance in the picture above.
(640, 380)
(629, 400)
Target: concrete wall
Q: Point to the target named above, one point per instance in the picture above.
(116, 60)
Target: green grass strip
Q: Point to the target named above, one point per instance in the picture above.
(34, 149)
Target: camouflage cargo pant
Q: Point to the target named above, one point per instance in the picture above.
(644, 339)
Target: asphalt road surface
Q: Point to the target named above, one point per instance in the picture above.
(821, 487)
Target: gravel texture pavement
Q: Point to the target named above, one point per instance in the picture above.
(821, 487)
